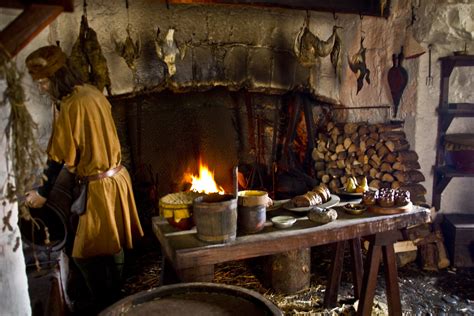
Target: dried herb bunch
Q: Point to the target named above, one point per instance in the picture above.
(22, 148)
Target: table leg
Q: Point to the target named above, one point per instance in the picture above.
(167, 273)
(380, 243)
(369, 280)
(357, 269)
(391, 278)
(335, 272)
(197, 274)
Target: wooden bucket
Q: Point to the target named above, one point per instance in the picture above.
(52, 218)
(215, 216)
(194, 299)
(252, 210)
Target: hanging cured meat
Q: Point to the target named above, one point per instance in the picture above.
(308, 47)
(86, 56)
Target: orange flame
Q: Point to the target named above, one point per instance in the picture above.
(204, 183)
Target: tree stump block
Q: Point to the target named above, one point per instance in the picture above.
(289, 272)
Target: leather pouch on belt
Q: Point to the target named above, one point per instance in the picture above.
(79, 205)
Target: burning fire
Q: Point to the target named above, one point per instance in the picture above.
(204, 183)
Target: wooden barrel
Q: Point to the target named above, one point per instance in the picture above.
(215, 216)
(198, 298)
(52, 220)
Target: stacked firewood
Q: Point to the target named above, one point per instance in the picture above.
(379, 152)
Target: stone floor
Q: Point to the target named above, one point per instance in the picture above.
(445, 292)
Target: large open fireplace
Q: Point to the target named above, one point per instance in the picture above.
(282, 143)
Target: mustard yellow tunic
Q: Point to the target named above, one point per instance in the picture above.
(85, 138)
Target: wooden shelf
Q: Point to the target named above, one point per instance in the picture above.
(446, 113)
(451, 172)
(458, 110)
(459, 60)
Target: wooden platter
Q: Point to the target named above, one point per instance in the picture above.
(377, 209)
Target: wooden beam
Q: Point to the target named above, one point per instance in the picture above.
(26, 26)
(362, 7)
(68, 5)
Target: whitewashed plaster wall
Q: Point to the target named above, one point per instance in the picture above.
(14, 297)
(448, 26)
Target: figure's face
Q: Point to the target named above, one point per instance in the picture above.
(43, 85)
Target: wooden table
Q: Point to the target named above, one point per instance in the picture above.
(194, 260)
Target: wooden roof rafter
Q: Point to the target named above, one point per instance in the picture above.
(36, 16)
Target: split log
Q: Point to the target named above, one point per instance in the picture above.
(350, 128)
(405, 166)
(391, 157)
(411, 176)
(408, 155)
(347, 142)
(375, 184)
(386, 167)
(383, 150)
(390, 127)
(429, 257)
(393, 135)
(363, 130)
(319, 165)
(415, 189)
(387, 177)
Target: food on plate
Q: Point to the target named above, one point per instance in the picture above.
(386, 197)
(323, 191)
(351, 185)
(319, 195)
(308, 199)
(354, 209)
(368, 197)
(363, 186)
(402, 197)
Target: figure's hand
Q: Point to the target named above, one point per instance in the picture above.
(34, 200)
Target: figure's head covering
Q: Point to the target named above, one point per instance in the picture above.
(45, 61)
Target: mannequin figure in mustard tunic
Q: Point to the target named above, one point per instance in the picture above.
(85, 140)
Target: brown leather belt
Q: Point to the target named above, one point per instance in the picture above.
(109, 173)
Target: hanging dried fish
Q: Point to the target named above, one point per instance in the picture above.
(336, 57)
(359, 67)
(308, 47)
(167, 50)
(129, 51)
(86, 56)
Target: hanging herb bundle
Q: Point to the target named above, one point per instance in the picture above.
(25, 153)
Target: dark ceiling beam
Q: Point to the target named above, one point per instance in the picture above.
(361, 7)
(68, 5)
(26, 26)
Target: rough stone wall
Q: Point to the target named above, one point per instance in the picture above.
(252, 48)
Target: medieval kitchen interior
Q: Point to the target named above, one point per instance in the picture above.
(287, 157)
